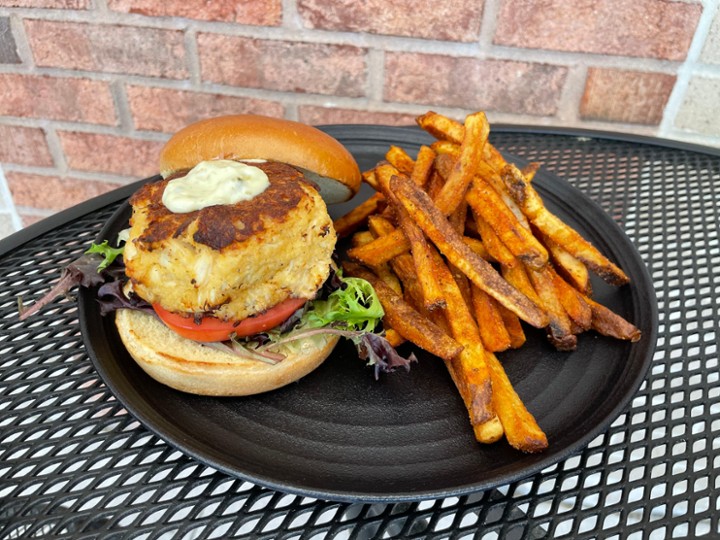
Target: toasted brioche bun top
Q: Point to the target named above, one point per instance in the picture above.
(321, 158)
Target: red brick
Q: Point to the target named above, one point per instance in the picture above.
(255, 12)
(330, 115)
(24, 146)
(642, 28)
(283, 65)
(626, 96)
(470, 83)
(56, 98)
(51, 4)
(161, 109)
(131, 50)
(110, 153)
(53, 192)
(439, 20)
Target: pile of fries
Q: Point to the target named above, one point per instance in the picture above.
(460, 249)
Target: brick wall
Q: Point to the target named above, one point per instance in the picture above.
(90, 89)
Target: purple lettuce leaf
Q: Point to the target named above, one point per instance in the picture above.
(83, 271)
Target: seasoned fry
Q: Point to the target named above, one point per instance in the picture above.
(441, 127)
(494, 334)
(496, 249)
(357, 217)
(486, 202)
(477, 246)
(453, 191)
(468, 369)
(393, 337)
(405, 320)
(571, 268)
(609, 323)
(560, 331)
(572, 302)
(383, 271)
(552, 226)
(361, 238)
(437, 228)
(493, 178)
(381, 250)
(399, 159)
(428, 240)
(520, 426)
(517, 276)
(420, 251)
(370, 178)
(424, 163)
(529, 170)
(380, 225)
(446, 147)
(513, 326)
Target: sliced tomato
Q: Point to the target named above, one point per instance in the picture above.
(212, 329)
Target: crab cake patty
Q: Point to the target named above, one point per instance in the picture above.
(231, 261)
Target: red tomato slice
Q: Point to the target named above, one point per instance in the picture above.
(212, 329)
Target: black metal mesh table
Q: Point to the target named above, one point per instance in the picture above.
(75, 464)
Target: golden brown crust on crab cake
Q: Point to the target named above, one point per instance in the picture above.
(231, 261)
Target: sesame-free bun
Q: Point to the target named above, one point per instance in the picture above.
(321, 158)
(188, 366)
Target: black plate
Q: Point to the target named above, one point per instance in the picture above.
(339, 434)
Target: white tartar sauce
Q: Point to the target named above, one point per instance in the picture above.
(210, 183)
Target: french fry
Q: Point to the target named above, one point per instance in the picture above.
(361, 238)
(570, 267)
(493, 178)
(370, 178)
(530, 170)
(486, 202)
(420, 251)
(446, 147)
(572, 302)
(357, 217)
(393, 337)
(608, 323)
(517, 275)
(477, 246)
(380, 225)
(444, 164)
(495, 247)
(424, 163)
(453, 191)
(399, 159)
(520, 427)
(513, 326)
(436, 227)
(441, 127)
(558, 231)
(468, 369)
(407, 321)
(383, 271)
(381, 250)
(560, 330)
(427, 238)
(494, 334)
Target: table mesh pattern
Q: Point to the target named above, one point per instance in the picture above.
(75, 464)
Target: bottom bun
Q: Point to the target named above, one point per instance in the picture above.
(188, 366)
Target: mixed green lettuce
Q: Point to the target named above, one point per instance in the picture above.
(345, 306)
